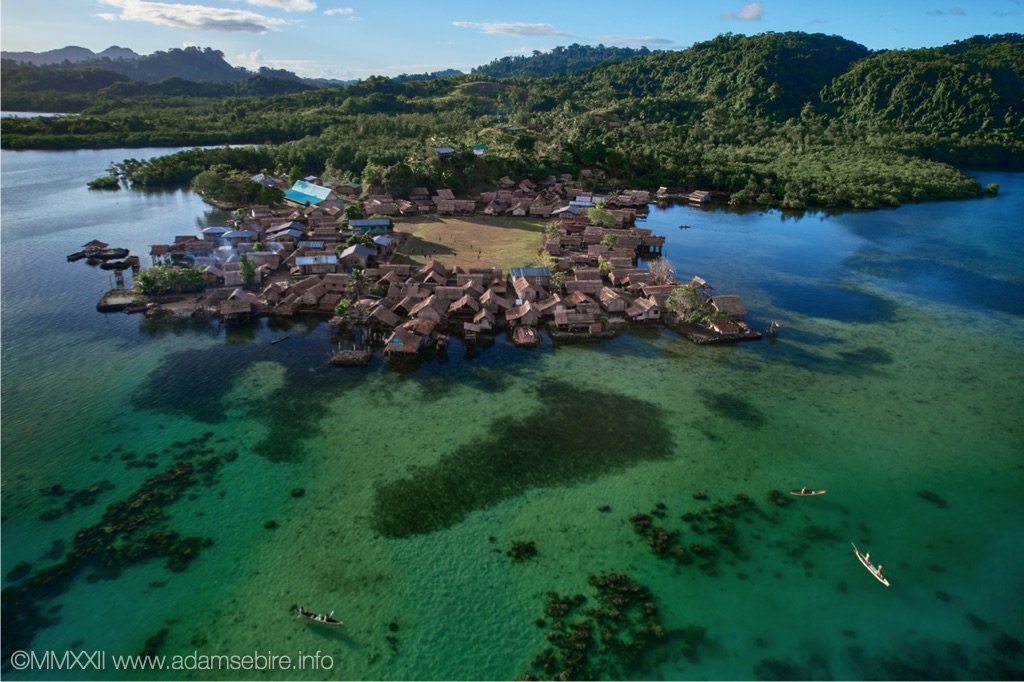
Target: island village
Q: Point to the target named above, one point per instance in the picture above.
(387, 291)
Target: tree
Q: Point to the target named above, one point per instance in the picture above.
(557, 281)
(663, 270)
(599, 215)
(162, 279)
(294, 175)
(247, 268)
(356, 282)
(610, 240)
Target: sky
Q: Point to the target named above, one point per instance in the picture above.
(347, 39)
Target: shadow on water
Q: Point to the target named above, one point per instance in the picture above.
(843, 305)
(947, 283)
(734, 408)
(545, 447)
(859, 362)
(195, 383)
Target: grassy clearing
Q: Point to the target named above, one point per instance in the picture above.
(488, 242)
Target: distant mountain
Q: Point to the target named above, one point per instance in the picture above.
(71, 53)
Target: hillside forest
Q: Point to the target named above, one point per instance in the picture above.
(792, 120)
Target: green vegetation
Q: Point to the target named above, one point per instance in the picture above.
(247, 269)
(161, 279)
(599, 215)
(792, 120)
(559, 60)
(691, 306)
(105, 182)
(225, 185)
(342, 307)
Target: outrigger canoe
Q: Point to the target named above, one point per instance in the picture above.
(808, 491)
(322, 618)
(874, 570)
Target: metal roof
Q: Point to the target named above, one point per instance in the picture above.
(530, 272)
(316, 260)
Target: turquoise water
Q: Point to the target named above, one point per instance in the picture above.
(895, 384)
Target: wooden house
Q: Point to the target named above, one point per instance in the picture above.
(576, 320)
(644, 310)
(612, 301)
(494, 301)
(658, 292)
(699, 197)
(381, 316)
(579, 301)
(524, 314)
(525, 290)
(546, 307)
(401, 341)
(729, 305)
(235, 309)
(428, 309)
(467, 306)
(485, 320)
(356, 256)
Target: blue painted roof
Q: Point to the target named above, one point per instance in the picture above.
(306, 192)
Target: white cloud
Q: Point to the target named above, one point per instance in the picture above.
(524, 50)
(512, 29)
(752, 12)
(636, 41)
(191, 16)
(255, 59)
(343, 12)
(286, 5)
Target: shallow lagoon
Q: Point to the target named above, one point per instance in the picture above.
(895, 383)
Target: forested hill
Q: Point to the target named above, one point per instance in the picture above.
(560, 60)
(971, 86)
(786, 119)
(770, 75)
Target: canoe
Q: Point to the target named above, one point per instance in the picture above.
(874, 570)
(322, 618)
(525, 336)
(808, 491)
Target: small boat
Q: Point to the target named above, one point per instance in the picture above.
(525, 336)
(684, 226)
(808, 491)
(140, 308)
(283, 338)
(876, 571)
(322, 618)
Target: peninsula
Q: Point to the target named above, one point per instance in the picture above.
(528, 257)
